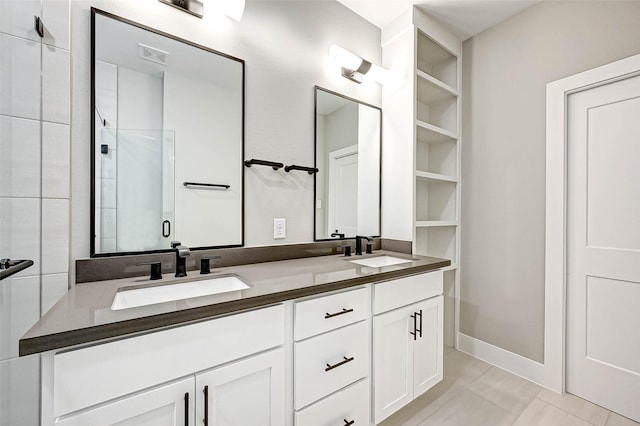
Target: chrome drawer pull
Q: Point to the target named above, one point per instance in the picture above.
(346, 360)
(349, 422)
(342, 312)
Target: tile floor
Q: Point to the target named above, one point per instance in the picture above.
(474, 393)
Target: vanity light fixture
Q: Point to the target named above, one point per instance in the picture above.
(194, 7)
(355, 68)
(231, 8)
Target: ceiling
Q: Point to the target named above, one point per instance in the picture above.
(466, 17)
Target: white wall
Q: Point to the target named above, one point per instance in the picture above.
(505, 70)
(285, 45)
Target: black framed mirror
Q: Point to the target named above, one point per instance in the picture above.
(167, 138)
(348, 143)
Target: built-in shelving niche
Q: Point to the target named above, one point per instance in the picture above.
(436, 152)
(437, 241)
(436, 61)
(435, 201)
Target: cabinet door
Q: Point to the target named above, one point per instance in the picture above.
(427, 348)
(168, 405)
(247, 392)
(392, 361)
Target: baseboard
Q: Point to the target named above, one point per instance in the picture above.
(509, 361)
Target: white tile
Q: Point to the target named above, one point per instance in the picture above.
(108, 165)
(617, 420)
(19, 310)
(579, 407)
(53, 288)
(108, 224)
(108, 193)
(19, 157)
(16, 18)
(56, 95)
(55, 16)
(543, 413)
(20, 391)
(19, 77)
(55, 236)
(55, 160)
(469, 409)
(506, 390)
(20, 231)
(107, 245)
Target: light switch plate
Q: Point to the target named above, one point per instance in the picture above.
(279, 229)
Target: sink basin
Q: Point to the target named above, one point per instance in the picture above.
(380, 261)
(150, 295)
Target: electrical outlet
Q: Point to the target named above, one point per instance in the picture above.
(279, 229)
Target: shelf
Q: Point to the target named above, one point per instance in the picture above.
(435, 200)
(437, 242)
(429, 133)
(436, 153)
(432, 91)
(435, 177)
(435, 223)
(428, 79)
(437, 61)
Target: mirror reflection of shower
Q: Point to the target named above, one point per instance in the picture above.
(135, 197)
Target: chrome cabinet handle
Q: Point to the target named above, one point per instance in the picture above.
(342, 312)
(420, 329)
(346, 360)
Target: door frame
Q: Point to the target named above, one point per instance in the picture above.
(556, 208)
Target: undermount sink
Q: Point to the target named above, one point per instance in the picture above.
(380, 261)
(150, 295)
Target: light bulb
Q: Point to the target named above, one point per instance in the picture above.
(344, 58)
(234, 9)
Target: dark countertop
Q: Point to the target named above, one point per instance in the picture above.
(84, 314)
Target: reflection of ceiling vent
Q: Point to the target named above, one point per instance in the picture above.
(151, 54)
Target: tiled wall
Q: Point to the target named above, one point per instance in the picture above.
(34, 186)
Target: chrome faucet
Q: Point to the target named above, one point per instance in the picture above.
(181, 258)
(359, 239)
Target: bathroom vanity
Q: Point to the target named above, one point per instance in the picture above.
(312, 341)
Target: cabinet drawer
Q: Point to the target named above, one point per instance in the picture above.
(330, 362)
(405, 291)
(347, 405)
(326, 313)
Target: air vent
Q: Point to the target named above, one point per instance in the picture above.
(152, 54)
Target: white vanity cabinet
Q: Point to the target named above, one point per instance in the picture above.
(168, 405)
(246, 392)
(332, 359)
(407, 340)
(143, 380)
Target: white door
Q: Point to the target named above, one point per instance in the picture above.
(247, 392)
(392, 361)
(169, 405)
(428, 346)
(603, 254)
(343, 191)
